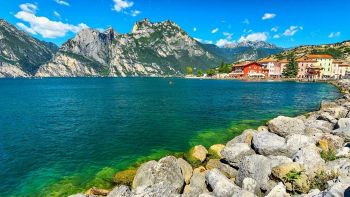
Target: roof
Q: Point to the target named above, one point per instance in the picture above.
(338, 61)
(245, 63)
(344, 65)
(319, 56)
(305, 59)
(267, 60)
(283, 61)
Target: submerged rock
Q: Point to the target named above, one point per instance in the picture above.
(284, 126)
(167, 172)
(199, 152)
(216, 149)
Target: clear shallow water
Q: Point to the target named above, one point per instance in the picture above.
(61, 136)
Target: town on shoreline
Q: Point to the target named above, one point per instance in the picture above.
(310, 67)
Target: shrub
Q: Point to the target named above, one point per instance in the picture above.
(321, 179)
(329, 155)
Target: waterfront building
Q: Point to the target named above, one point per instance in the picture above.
(247, 69)
(272, 67)
(303, 64)
(324, 61)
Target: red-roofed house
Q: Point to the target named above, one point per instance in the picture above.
(248, 70)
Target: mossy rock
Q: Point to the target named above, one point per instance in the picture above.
(214, 151)
(125, 177)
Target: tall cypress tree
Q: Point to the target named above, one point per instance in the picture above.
(291, 70)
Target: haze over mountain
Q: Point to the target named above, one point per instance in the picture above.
(246, 50)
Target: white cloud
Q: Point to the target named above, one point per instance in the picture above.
(58, 15)
(61, 2)
(135, 13)
(28, 7)
(334, 34)
(194, 29)
(204, 41)
(276, 36)
(268, 16)
(228, 35)
(259, 36)
(214, 30)
(223, 42)
(246, 21)
(26, 28)
(292, 30)
(119, 5)
(274, 29)
(42, 25)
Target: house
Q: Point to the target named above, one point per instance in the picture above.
(283, 64)
(339, 69)
(324, 61)
(248, 69)
(272, 67)
(303, 64)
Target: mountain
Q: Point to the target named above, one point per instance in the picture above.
(20, 54)
(339, 50)
(151, 49)
(246, 50)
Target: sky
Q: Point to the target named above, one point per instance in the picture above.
(285, 23)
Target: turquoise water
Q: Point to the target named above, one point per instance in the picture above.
(60, 136)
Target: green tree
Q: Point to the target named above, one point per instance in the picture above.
(211, 72)
(291, 70)
(189, 70)
(225, 68)
(199, 73)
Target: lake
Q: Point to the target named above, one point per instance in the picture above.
(60, 136)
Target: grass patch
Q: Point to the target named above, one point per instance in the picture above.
(329, 155)
(321, 179)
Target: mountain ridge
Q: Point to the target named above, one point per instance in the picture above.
(21, 54)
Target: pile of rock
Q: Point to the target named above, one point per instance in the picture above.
(306, 155)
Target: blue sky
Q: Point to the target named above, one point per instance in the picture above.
(286, 23)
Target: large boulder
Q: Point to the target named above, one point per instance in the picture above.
(284, 126)
(340, 166)
(267, 143)
(343, 132)
(197, 185)
(245, 137)
(340, 187)
(233, 153)
(251, 185)
(337, 112)
(322, 125)
(199, 152)
(120, 191)
(157, 190)
(278, 191)
(296, 141)
(282, 170)
(343, 123)
(278, 160)
(225, 169)
(186, 169)
(326, 116)
(257, 167)
(220, 184)
(167, 171)
(309, 156)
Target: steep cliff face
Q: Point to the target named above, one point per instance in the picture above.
(20, 54)
(151, 49)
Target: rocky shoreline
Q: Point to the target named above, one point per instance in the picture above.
(306, 156)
